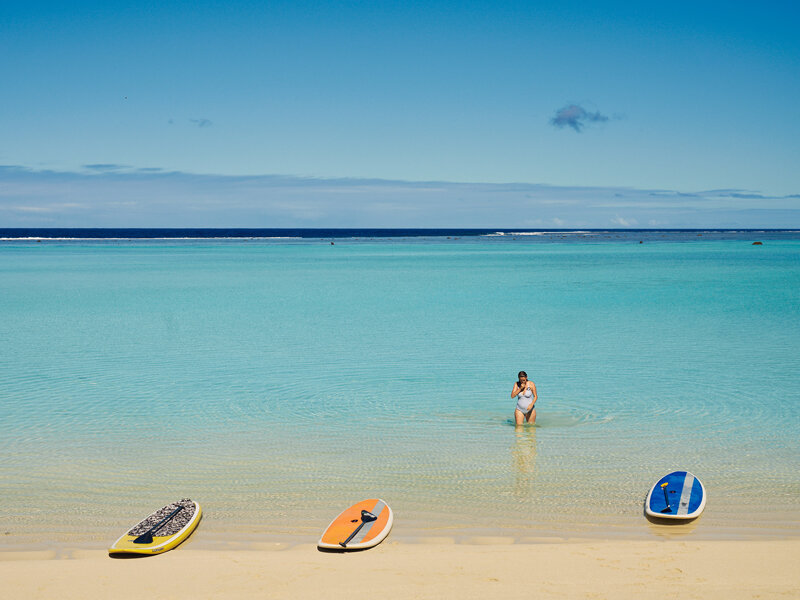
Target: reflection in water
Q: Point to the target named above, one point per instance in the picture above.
(523, 453)
(669, 528)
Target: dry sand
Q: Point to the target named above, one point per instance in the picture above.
(439, 568)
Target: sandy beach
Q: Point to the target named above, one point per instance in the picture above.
(436, 569)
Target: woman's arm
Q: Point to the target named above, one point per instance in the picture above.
(516, 390)
(532, 386)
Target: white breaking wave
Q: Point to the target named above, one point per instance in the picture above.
(520, 233)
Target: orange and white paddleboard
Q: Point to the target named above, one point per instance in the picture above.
(363, 525)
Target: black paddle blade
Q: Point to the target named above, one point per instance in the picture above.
(666, 510)
(145, 538)
(368, 517)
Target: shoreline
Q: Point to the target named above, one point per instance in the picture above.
(585, 569)
(217, 535)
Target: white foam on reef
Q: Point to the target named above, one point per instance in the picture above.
(502, 233)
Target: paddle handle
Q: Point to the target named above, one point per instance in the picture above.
(666, 498)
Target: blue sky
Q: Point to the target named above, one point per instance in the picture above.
(359, 104)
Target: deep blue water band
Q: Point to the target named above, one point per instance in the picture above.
(317, 233)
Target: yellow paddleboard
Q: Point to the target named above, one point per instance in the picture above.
(363, 525)
(160, 531)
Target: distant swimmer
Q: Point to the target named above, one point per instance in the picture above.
(525, 393)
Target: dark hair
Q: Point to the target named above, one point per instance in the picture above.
(521, 373)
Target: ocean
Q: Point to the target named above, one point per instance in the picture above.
(277, 376)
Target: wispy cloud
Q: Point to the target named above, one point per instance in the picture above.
(745, 195)
(201, 122)
(134, 197)
(33, 209)
(576, 117)
(105, 167)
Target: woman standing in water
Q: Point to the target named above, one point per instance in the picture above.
(525, 393)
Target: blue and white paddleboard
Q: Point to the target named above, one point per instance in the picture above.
(679, 495)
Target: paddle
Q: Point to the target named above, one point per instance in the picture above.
(666, 499)
(147, 536)
(366, 517)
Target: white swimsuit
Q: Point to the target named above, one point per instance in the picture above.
(524, 401)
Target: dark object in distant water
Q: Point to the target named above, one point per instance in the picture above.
(332, 244)
(641, 242)
(757, 244)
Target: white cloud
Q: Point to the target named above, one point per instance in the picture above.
(622, 222)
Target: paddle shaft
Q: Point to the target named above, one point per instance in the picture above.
(352, 535)
(366, 517)
(666, 498)
(156, 527)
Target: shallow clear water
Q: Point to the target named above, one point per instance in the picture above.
(277, 381)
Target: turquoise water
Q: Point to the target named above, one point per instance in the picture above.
(277, 381)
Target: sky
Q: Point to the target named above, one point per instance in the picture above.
(408, 114)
